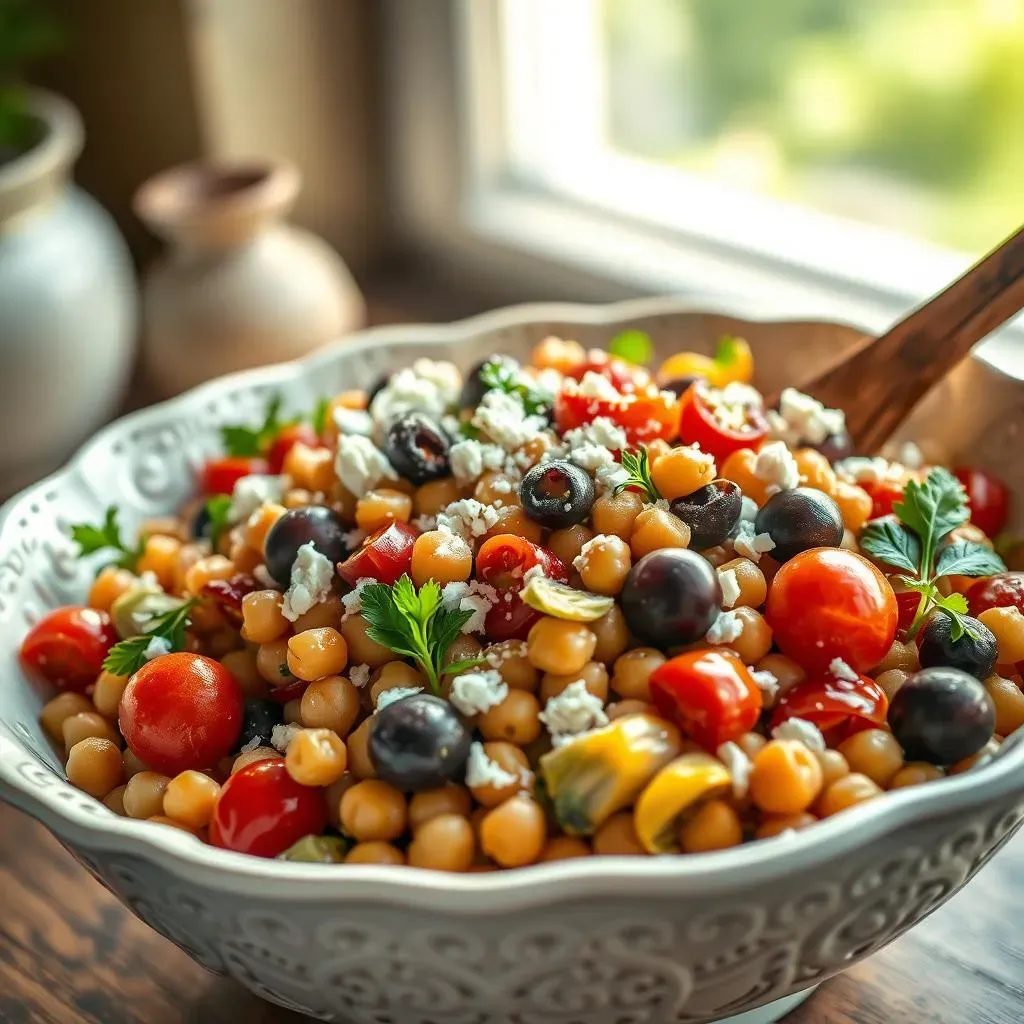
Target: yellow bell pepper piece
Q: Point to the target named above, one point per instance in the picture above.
(733, 363)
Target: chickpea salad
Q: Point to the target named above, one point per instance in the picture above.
(578, 607)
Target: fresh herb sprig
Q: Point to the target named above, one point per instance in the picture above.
(129, 655)
(218, 513)
(505, 375)
(415, 625)
(107, 537)
(637, 463)
(249, 441)
(926, 516)
(318, 418)
(634, 346)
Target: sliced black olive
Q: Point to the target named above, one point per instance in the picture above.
(417, 447)
(557, 494)
(975, 655)
(671, 597)
(836, 447)
(680, 385)
(942, 715)
(798, 520)
(376, 388)
(711, 512)
(418, 742)
(201, 526)
(258, 721)
(321, 526)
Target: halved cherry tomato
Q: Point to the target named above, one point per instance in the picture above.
(1005, 590)
(510, 618)
(227, 595)
(502, 561)
(702, 421)
(988, 498)
(262, 810)
(219, 476)
(884, 494)
(907, 603)
(287, 438)
(832, 603)
(290, 691)
(67, 647)
(645, 413)
(624, 376)
(181, 711)
(385, 555)
(838, 707)
(710, 695)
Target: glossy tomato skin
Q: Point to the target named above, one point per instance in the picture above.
(290, 691)
(699, 425)
(510, 617)
(219, 476)
(644, 414)
(832, 603)
(181, 711)
(884, 494)
(67, 647)
(262, 810)
(838, 707)
(385, 555)
(1005, 590)
(988, 498)
(287, 438)
(624, 376)
(502, 561)
(710, 695)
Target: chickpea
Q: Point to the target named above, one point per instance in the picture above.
(892, 680)
(373, 811)
(615, 514)
(786, 778)
(95, 766)
(776, 824)
(464, 647)
(682, 471)
(593, 674)
(444, 843)
(333, 794)
(914, 773)
(1009, 703)
(976, 759)
(312, 468)
(431, 803)
(343, 501)
(715, 825)
(512, 519)
(846, 792)
(272, 663)
(752, 743)
(617, 837)
(206, 570)
(59, 709)
(160, 557)
(567, 543)
(317, 653)
(750, 580)
(258, 525)
(325, 613)
(855, 505)
(190, 798)
(374, 853)
(612, 635)
(330, 703)
(379, 507)
(188, 555)
(242, 665)
(833, 766)
(511, 760)
(144, 795)
(900, 656)
(108, 586)
(316, 757)
(786, 671)
(564, 848)
(739, 467)
(604, 564)
(249, 757)
(131, 763)
(262, 618)
(510, 660)
(554, 645)
(815, 470)
(874, 753)
(631, 674)
(430, 498)
(560, 354)
(393, 676)
(497, 489)
(1008, 626)
(515, 719)
(756, 639)
(441, 556)
(654, 529)
(84, 724)
(292, 712)
(357, 745)
(362, 650)
(115, 801)
(514, 832)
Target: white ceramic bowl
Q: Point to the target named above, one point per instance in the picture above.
(600, 941)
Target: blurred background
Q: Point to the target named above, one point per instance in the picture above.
(353, 160)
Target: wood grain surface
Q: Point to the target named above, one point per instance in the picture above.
(71, 954)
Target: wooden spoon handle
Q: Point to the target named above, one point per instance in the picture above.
(886, 377)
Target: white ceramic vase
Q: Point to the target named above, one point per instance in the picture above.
(67, 303)
(237, 286)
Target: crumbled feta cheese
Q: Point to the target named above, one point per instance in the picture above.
(910, 455)
(442, 374)
(479, 606)
(473, 693)
(482, 771)
(157, 645)
(841, 670)
(776, 465)
(396, 693)
(147, 580)
(592, 457)
(726, 628)
(474, 597)
(353, 600)
(282, 735)
(256, 741)
(425, 523)
(573, 711)
(252, 491)
(608, 477)
(599, 431)
(262, 576)
(748, 510)
(470, 459)
(802, 419)
(452, 595)
(749, 544)
(467, 518)
(354, 538)
(732, 404)
(361, 465)
(427, 386)
(502, 417)
(739, 765)
(352, 421)
(359, 675)
(534, 572)
(598, 543)
(800, 729)
(509, 649)
(597, 386)
(730, 587)
(860, 470)
(768, 683)
(312, 576)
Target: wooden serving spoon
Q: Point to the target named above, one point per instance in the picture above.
(884, 378)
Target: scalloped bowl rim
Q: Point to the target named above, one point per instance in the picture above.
(767, 860)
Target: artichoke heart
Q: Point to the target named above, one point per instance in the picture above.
(673, 793)
(600, 772)
(143, 601)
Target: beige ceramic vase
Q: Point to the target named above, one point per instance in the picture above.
(237, 286)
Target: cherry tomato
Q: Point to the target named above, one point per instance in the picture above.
(290, 691)
(227, 595)
(884, 494)
(385, 555)
(1006, 590)
(181, 711)
(219, 476)
(831, 603)
(711, 696)
(703, 422)
(262, 810)
(644, 413)
(624, 376)
(502, 561)
(510, 617)
(907, 603)
(838, 707)
(287, 438)
(988, 498)
(67, 648)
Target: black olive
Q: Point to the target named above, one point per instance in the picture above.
(418, 742)
(298, 526)
(258, 721)
(711, 513)
(417, 447)
(836, 446)
(201, 523)
(671, 597)
(557, 494)
(376, 388)
(798, 520)
(680, 385)
(975, 655)
(942, 715)
(474, 389)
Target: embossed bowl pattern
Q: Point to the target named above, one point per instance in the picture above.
(599, 941)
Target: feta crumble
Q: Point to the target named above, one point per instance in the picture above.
(282, 735)
(475, 597)
(249, 745)
(573, 711)
(473, 693)
(427, 386)
(599, 431)
(597, 386)
(751, 545)
(860, 470)
(910, 455)
(739, 766)
(502, 417)
(467, 517)
(353, 600)
(768, 683)
(352, 421)
(748, 510)
(726, 628)
(802, 419)
(598, 543)
(800, 729)
(354, 538)
(361, 465)
(777, 467)
(359, 675)
(425, 523)
(608, 477)
(396, 693)
(841, 670)
(312, 576)
(482, 771)
(157, 645)
(470, 459)
(452, 594)
(592, 457)
(730, 587)
(252, 491)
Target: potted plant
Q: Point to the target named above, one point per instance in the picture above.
(67, 289)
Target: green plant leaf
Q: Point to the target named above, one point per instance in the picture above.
(504, 374)
(727, 349)
(107, 536)
(633, 346)
(128, 656)
(933, 509)
(965, 558)
(637, 465)
(318, 419)
(218, 511)
(955, 606)
(892, 544)
(248, 442)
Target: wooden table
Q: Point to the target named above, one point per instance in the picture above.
(71, 954)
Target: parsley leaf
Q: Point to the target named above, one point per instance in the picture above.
(503, 374)
(318, 418)
(218, 512)
(963, 558)
(129, 656)
(413, 624)
(892, 543)
(248, 441)
(637, 464)
(955, 606)
(633, 346)
(933, 509)
(107, 536)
